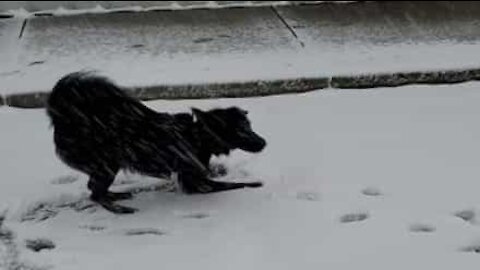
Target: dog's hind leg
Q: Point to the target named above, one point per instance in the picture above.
(118, 196)
(99, 184)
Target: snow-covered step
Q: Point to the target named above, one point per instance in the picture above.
(27, 8)
(253, 46)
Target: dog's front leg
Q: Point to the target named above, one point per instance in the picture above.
(217, 170)
(218, 186)
(192, 183)
(196, 183)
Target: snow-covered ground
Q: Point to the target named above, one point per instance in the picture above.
(371, 179)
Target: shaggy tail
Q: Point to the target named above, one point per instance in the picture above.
(75, 92)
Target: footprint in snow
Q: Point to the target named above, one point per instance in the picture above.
(42, 211)
(371, 191)
(198, 215)
(93, 228)
(144, 231)
(63, 180)
(473, 248)
(192, 214)
(39, 244)
(38, 62)
(468, 215)
(308, 196)
(354, 217)
(421, 228)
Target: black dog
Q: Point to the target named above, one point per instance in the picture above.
(99, 130)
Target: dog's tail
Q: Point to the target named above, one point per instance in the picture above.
(74, 93)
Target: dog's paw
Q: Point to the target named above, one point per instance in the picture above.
(218, 170)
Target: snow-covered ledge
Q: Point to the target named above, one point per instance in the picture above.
(89, 6)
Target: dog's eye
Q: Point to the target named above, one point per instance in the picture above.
(245, 125)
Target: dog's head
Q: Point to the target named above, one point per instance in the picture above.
(231, 127)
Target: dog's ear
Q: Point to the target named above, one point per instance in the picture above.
(244, 112)
(198, 114)
(240, 110)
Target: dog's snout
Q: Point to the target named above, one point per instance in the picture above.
(254, 143)
(261, 144)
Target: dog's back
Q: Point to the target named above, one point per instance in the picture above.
(85, 99)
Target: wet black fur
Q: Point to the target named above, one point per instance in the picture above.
(99, 129)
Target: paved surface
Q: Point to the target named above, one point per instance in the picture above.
(385, 22)
(191, 50)
(9, 32)
(152, 34)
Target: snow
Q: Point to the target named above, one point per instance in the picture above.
(19, 8)
(365, 179)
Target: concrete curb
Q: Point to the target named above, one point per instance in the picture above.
(404, 78)
(231, 90)
(26, 100)
(269, 87)
(193, 91)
